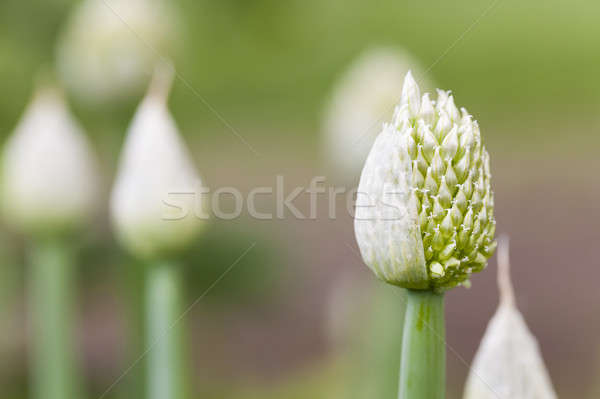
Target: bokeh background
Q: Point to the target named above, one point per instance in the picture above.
(300, 316)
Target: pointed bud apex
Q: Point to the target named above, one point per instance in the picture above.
(467, 137)
(437, 270)
(411, 145)
(447, 251)
(442, 127)
(411, 95)
(451, 178)
(427, 110)
(437, 164)
(50, 180)
(451, 110)
(444, 194)
(450, 143)
(430, 181)
(447, 227)
(438, 209)
(429, 141)
(461, 168)
(156, 201)
(441, 100)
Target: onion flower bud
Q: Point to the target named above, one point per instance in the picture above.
(50, 176)
(109, 48)
(156, 200)
(508, 363)
(424, 209)
(365, 93)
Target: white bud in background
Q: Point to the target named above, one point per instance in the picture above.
(50, 176)
(110, 47)
(363, 98)
(508, 363)
(156, 201)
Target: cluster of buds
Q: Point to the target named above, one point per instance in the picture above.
(425, 209)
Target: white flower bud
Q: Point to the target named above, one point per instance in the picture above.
(110, 47)
(424, 208)
(362, 98)
(49, 171)
(508, 363)
(156, 202)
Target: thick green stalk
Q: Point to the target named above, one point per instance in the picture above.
(166, 365)
(423, 364)
(52, 300)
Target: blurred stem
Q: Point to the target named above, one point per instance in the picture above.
(133, 280)
(423, 364)
(52, 300)
(166, 365)
(9, 282)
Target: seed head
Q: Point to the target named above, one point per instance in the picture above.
(424, 208)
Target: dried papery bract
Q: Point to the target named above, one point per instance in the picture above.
(109, 47)
(362, 98)
(156, 203)
(50, 180)
(508, 363)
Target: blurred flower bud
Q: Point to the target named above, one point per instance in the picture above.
(49, 171)
(156, 200)
(508, 363)
(424, 208)
(364, 96)
(110, 47)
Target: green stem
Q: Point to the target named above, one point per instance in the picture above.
(166, 366)
(423, 364)
(52, 300)
(132, 285)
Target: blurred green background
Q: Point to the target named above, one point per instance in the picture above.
(527, 70)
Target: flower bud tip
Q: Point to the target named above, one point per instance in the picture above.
(157, 194)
